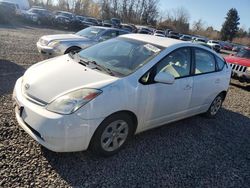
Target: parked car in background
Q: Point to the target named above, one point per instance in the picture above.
(240, 63)
(53, 45)
(63, 19)
(202, 43)
(215, 45)
(116, 22)
(145, 30)
(22, 4)
(167, 31)
(197, 39)
(106, 23)
(238, 47)
(39, 16)
(173, 35)
(88, 21)
(159, 33)
(103, 95)
(226, 46)
(99, 21)
(129, 28)
(185, 38)
(8, 11)
(79, 19)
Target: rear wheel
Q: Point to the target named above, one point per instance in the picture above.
(215, 106)
(112, 135)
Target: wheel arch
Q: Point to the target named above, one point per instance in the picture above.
(224, 94)
(127, 112)
(72, 47)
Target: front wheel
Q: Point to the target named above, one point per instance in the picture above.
(112, 135)
(215, 106)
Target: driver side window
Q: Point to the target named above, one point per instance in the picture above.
(177, 63)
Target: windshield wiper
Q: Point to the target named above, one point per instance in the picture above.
(101, 68)
(94, 65)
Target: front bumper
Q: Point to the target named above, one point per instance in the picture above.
(59, 133)
(49, 51)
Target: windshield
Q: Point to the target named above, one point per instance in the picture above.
(121, 56)
(244, 53)
(90, 32)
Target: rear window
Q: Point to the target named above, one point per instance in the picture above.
(204, 62)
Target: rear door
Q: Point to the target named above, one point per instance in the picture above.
(206, 82)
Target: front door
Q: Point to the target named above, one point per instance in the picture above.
(168, 102)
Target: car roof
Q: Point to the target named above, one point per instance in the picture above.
(160, 41)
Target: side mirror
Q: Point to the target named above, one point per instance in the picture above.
(164, 77)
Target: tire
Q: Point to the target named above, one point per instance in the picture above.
(215, 106)
(112, 135)
(72, 49)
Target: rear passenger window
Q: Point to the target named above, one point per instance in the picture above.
(204, 62)
(220, 63)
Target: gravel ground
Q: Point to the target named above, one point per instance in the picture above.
(195, 152)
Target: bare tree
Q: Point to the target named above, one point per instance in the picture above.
(176, 19)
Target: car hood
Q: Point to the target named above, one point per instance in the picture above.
(64, 37)
(238, 60)
(49, 79)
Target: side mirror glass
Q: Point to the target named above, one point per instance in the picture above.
(164, 77)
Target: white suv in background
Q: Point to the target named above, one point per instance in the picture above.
(215, 45)
(100, 97)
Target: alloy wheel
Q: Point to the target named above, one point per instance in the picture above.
(114, 135)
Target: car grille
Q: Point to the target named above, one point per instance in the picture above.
(238, 68)
(43, 42)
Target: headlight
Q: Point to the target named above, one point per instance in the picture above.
(72, 101)
(54, 43)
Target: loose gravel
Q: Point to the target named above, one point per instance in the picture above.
(195, 152)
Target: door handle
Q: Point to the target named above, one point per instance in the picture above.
(188, 87)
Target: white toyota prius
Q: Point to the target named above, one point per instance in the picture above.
(100, 97)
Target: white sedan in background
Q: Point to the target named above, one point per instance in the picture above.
(54, 45)
(100, 97)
